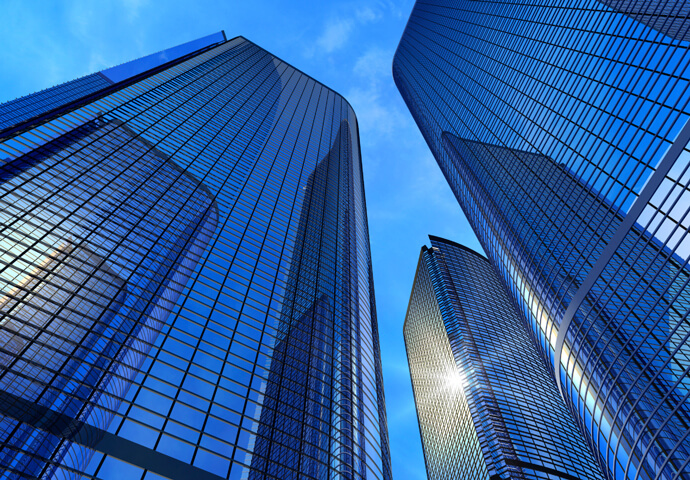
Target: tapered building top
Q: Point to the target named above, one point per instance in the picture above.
(186, 276)
(487, 406)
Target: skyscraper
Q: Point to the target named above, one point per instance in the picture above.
(186, 276)
(563, 133)
(487, 406)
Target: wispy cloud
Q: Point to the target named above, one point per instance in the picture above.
(368, 14)
(374, 65)
(395, 8)
(97, 62)
(338, 30)
(81, 18)
(335, 35)
(370, 96)
(373, 114)
(132, 8)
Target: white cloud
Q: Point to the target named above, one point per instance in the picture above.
(132, 8)
(97, 63)
(81, 19)
(337, 31)
(395, 8)
(369, 97)
(373, 114)
(335, 35)
(367, 14)
(374, 65)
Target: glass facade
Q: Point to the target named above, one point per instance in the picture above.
(16, 113)
(488, 408)
(186, 277)
(563, 133)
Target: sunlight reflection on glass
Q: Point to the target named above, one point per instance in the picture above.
(455, 381)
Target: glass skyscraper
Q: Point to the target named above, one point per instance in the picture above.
(487, 406)
(563, 132)
(186, 276)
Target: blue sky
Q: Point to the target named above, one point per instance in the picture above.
(347, 45)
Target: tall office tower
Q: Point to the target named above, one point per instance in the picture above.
(563, 133)
(487, 406)
(186, 276)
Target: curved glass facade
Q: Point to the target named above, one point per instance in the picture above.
(563, 133)
(186, 279)
(488, 408)
(450, 441)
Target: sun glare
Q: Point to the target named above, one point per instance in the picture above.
(455, 381)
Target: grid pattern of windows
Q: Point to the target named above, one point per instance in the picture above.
(24, 108)
(563, 133)
(16, 112)
(451, 444)
(666, 17)
(186, 282)
(521, 422)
